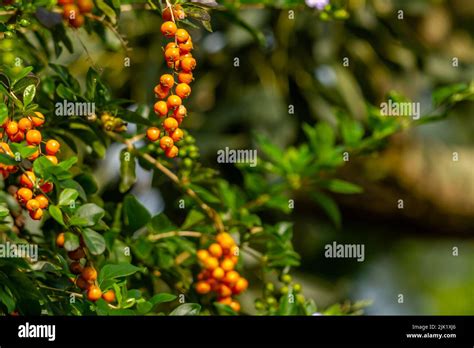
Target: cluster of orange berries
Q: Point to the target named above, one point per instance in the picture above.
(86, 276)
(174, 87)
(73, 11)
(218, 275)
(31, 195)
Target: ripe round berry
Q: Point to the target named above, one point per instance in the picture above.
(168, 29)
(28, 179)
(183, 90)
(174, 101)
(215, 250)
(42, 200)
(186, 47)
(170, 124)
(36, 214)
(172, 54)
(32, 205)
(227, 265)
(85, 6)
(60, 240)
(166, 142)
(75, 267)
(167, 80)
(77, 21)
(89, 274)
(24, 195)
(188, 64)
(224, 291)
(109, 296)
(47, 187)
(153, 134)
(231, 277)
(33, 137)
(70, 11)
(225, 240)
(94, 293)
(235, 306)
(185, 77)
(52, 147)
(76, 254)
(12, 128)
(240, 286)
(82, 283)
(182, 35)
(211, 263)
(18, 137)
(177, 134)
(24, 124)
(53, 159)
(218, 273)
(172, 152)
(203, 287)
(161, 108)
(180, 112)
(202, 254)
(37, 119)
(161, 92)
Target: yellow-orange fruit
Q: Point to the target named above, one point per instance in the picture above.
(60, 240)
(203, 287)
(89, 274)
(109, 296)
(94, 293)
(172, 152)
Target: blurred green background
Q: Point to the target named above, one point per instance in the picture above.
(300, 63)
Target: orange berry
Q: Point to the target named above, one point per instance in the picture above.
(85, 6)
(52, 147)
(227, 265)
(47, 187)
(202, 287)
(82, 283)
(53, 159)
(188, 64)
(170, 124)
(174, 101)
(161, 92)
(231, 277)
(18, 137)
(70, 11)
(182, 35)
(77, 21)
(167, 80)
(60, 240)
(76, 254)
(186, 47)
(202, 254)
(37, 119)
(224, 291)
(153, 134)
(185, 77)
(36, 214)
(171, 45)
(166, 142)
(75, 267)
(172, 152)
(12, 128)
(32, 205)
(168, 29)
(28, 179)
(43, 201)
(109, 296)
(24, 124)
(211, 263)
(183, 90)
(225, 240)
(172, 54)
(94, 293)
(218, 273)
(89, 274)
(235, 306)
(180, 112)
(225, 300)
(177, 134)
(33, 137)
(5, 148)
(161, 108)
(240, 286)
(215, 250)
(24, 195)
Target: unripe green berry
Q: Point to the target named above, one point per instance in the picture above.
(286, 278)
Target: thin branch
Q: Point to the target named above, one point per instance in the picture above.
(155, 237)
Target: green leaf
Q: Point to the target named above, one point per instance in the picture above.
(204, 194)
(160, 223)
(193, 218)
(340, 186)
(68, 163)
(107, 10)
(71, 241)
(68, 196)
(117, 271)
(135, 214)
(56, 214)
(88, 215)
(94, 241)
(351, 131)
(3, 113)
(127, 170)
(187, 309)
(288, 305)
(329, 207)
(28, 95)
(223, 309)
(162, 298)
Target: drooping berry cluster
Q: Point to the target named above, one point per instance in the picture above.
(218, 275)
(174, 87)
(86, 274)
(73, 11)
(31, 194)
